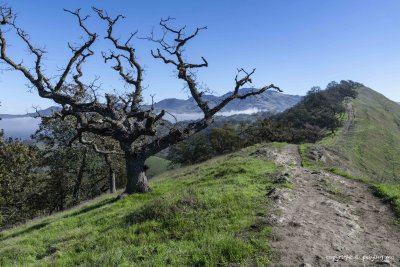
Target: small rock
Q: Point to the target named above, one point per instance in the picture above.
(338, 248)
(295, 224)
(271, 191)
(271, 219)
(283, 179)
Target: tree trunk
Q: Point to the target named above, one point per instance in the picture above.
(113, 188)
(78, 182)
(136, 175)
(111, 174)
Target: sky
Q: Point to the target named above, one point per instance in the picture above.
(292, 44)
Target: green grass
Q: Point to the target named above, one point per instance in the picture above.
(390, 193)
(348, 175)
(203, 215)
(305, 161)
(157, 166)
(371, 147)
(373, 143)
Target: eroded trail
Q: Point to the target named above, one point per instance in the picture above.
(328, 220)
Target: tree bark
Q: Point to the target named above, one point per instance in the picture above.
(78, 182)
(111, 174)
(136, 175)
(113, 188)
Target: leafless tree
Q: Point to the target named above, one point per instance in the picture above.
(124, 118)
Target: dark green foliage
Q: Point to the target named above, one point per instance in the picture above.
(195, 149)
(225, 139)
(319, 113)
(21, 182)
(206, 145)
(77, 172)
(51, 175)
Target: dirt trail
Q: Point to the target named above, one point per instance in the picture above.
(350, 116)
(328, 220)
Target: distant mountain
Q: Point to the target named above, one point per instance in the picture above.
(22, 126)
(269, 101)
(43, 112)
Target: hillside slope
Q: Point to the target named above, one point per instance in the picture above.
(204, 215)
(366, 148)
(371, 143)
(256, 207)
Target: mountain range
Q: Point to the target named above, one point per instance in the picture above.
(23, 125)
(271, 101)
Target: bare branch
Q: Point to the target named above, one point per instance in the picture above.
(239, 83)
(95, 147)
(6, 14)
(77, 52)
(130, 58)
(176, 49)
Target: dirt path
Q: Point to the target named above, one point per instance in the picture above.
(328, 220)
(350, 116)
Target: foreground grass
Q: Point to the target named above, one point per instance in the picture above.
(305, 161)
(198, 216)
(391, 193)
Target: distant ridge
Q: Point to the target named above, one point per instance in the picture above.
(269, 101)
(23, 125)
(44, 112)
(372, 144)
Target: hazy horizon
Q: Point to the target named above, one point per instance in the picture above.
(190, 115)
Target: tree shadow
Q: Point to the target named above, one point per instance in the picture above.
(90, 208)
(27, 230)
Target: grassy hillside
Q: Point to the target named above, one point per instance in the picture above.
(373, 142)
(370, 147)
(204, 215)
(157, 166)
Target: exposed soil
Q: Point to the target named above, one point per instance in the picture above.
(328, 220)
(350, 116)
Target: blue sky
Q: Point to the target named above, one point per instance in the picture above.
(293, 44)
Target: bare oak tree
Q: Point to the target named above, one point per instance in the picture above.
(122, 117)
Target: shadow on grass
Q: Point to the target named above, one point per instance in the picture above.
(43, 224)
(90, 208)
(163, 209)
(27, 230)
